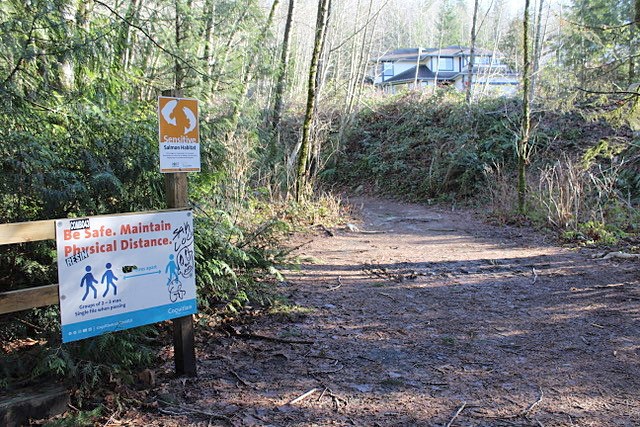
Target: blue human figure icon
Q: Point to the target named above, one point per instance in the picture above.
(89, 280)
(109, 277)
(172, 269)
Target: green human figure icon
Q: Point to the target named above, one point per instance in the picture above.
(89, 280)
(172, 269)
(109, 277)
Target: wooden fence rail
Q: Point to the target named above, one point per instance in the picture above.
(22, 232)
(24, 299)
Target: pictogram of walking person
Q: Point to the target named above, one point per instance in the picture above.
(173, 270)
(88, 280)
(109, 277)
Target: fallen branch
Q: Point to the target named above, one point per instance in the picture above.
(613, 285)
(533, 405)
(458, 412)
(273, 339)
(388, 296)
(313, 373)
(524, 413)
(31, 325)
(337, 400)
(303, 396)
(354, 229)
(184, 410)
(252, 336)
(621, 255)
(242, 381)
(378, 272)
(413, 219)
(295, 248)
(333, 288)
(326, 230)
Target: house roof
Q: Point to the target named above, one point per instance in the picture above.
(424, 73)
(411, 54)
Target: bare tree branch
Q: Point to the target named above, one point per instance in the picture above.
(151, 39)
(362, 27)
(599, 92)
(600, 27)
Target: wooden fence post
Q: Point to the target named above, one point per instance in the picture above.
(176, 190)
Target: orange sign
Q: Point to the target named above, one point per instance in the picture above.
(178, 120)
(179, 134)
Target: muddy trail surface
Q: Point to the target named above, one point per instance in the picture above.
(420, 316)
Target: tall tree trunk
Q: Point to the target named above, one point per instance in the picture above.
(633, 42)
(252, 60)
(305, 143)
(218, 65)
(358, 75)
(324, 54)
(472, 52)
(66, 71)
(278, 97)
(124, 48)
(179, 70)
(441, 29)
(582, 74)
(282, 71)
(352, 58)
(537, 51)
(321, 78)
(208, 11)
(356, 78)
(363, 59)
(523, 143)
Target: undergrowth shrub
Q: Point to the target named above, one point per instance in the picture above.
(586, 199)
(427, 147)
(87, 364)
(230, 270)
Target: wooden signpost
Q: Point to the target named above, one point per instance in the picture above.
(177, 196)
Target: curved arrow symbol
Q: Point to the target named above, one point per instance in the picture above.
(192, 120)
(167, 110)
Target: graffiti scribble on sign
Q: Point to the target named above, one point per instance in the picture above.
(182, 245)
(176, 292)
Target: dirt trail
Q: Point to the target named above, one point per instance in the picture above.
(427, 317)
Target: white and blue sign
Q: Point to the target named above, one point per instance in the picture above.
(119, 272)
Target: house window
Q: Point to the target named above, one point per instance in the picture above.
(445, 64)
(387, 70)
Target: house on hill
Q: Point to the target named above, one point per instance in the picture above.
(419, 68)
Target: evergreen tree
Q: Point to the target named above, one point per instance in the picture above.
(600, 43)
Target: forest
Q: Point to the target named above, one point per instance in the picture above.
(291, 123)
